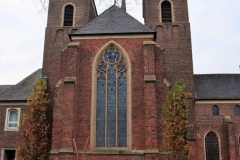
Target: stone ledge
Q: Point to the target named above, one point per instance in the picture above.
(150, 78)
(191, 137)
(54, 151)
(73, 44)
(149, 43)
(188, 95)
(228, 119)
(108, 152)
(151, 151)
(66, 150)
(70, 80)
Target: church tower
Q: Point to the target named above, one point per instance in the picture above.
(169, 18)
(64, 17)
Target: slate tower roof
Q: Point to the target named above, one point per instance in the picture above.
(113, 21)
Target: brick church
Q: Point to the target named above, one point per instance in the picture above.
(108, 76)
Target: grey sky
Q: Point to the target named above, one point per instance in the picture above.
(214, 25)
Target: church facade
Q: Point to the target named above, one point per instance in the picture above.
(108, 76)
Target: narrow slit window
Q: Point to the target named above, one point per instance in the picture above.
(166, 12)
(211, 146)
(215, 110)
(68, 15)
(111, 108)
(237, 110)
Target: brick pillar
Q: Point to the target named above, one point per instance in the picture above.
(231, 138)
(150, 99)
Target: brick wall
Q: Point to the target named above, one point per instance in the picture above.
(8, 139)
(228, 133)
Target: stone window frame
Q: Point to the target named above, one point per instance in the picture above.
(12, 148)
(94, 98)
(7, 118)
(63, 14)
(160, 11)
(219, 144)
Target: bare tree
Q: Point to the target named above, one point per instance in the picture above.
(106, 3)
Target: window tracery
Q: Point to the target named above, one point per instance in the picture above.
(111, 108)
(211, 146)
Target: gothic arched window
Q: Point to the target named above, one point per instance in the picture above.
(237, 110)
(215, 110)
(211, 146)
(68, 15)
(111, 106)
(166, 11)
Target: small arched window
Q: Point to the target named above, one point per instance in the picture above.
(68, 15)
(211, 146)
(237, 110)
(215, 110)
(166, 12)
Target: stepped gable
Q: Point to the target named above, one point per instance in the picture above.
(22, 90)
(217, 86)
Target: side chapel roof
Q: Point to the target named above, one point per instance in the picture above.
(3, 88)
(22, 90)
(217, 86)
(113, 21)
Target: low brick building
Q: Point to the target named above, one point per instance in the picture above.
(108, 77)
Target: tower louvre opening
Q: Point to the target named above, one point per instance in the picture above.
(68, 15)
(166, 12)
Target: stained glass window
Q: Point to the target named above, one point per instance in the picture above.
(211, 146)
(111, 116)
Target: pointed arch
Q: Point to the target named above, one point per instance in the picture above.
(212, 146)
(111, 101)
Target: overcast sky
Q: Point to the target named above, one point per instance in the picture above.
(214, 27)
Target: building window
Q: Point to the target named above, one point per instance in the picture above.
(237, 110)
(111, 106)
(9, 154)
(211, 146)
(215, 110)
(166, 11)
(12, 119)
(68, 15)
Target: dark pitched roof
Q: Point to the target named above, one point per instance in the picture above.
(3, 88)
(113, 21)
(22, 90)
(217, 86)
